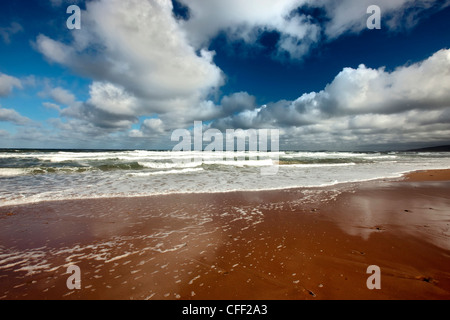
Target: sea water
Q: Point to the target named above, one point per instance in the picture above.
(28, 176)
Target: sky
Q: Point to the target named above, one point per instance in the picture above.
(137, 70)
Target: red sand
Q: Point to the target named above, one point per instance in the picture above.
(290, 244)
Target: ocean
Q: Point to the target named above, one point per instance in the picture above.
(29, 176)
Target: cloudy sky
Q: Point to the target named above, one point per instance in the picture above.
(139, 69)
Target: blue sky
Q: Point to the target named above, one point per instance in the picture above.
(137, 70)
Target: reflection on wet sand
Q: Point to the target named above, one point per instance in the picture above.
(418, 209)
(290, 244)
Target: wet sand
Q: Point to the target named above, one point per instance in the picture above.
(294, 244)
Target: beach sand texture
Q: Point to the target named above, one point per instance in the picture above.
(311, 243)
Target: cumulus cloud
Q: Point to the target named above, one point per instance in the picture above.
(365, 90)
(364, 105)
(153, 125)
(298, 29)
(7, 84)
(76, 130)
(93, 116)
(141, 57)
(150, 68)
(109, 107)
(10, 115)
(237, 102)
(112, 99)
(205, 110)
(247, 20)
(53, 50)
(62, 96)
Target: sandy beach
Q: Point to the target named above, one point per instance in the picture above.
(296, 244)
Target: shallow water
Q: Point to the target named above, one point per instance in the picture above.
(28, 176)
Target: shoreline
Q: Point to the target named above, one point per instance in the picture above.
(415, 175)
(301, 243)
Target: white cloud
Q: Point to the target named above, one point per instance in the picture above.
(153, 125)
(53, 50)
(246, 20)
(7, 84)
(237, 102)
(62, 96)
(238, 18)
(112, 99)
(141, 53)
(205, 111)
(145, 63)
(10, 115)
(365, 90)
(364, 105)
(135, 134)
